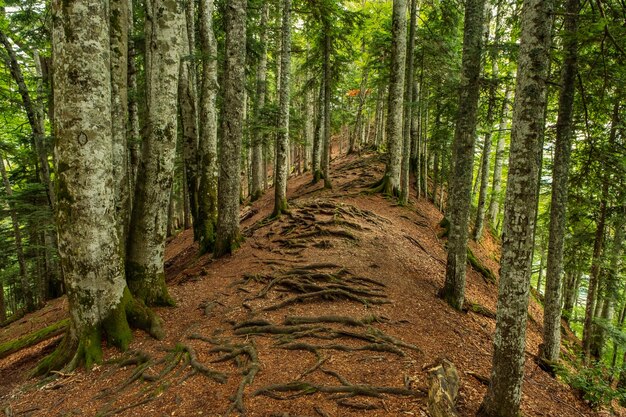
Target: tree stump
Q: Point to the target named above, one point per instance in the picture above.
(444, 388)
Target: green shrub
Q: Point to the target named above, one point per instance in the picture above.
(592, 384)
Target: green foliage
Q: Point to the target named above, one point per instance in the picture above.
(591, 383)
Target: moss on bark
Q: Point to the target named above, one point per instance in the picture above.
(147, 286)
(83, 347)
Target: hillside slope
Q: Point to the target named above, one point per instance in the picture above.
(337, 297)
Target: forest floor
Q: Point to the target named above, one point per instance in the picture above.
(338, 297)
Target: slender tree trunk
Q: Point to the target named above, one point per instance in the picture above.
(188, 105)
(258, 137)
(88, 243)
(207, 146)
(119, 16)
(460, 183)
(319, 136)
(326, 152)
(390, 184)
(551, 346)
(27, 292)
(378, 117)
(134, 137)
(281, 168)
(34, 116)
(228, 235)
(505, 389)
(146, 246)
(486, 155)
(496, 187)
(408, 108)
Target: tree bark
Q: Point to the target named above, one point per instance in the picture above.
(281, 167)
(408, 108)
(188, 105)
(391, 180)
(88, 243)
(505, 390)
(551, 346)
(207, 146)
(228, 236)
(258, 137)
(146, 245)
(27, 292)
(496, 186)
(319, 136)
(460, 183)
(119, 16)
(328, 83)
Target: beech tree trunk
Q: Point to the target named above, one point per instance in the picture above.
(408, 108)
(551, 346)
(319, 136)
(258, 137)
(391, 180)
(27, 292)
(281, 167)
(496, 186)
(326, 145)
(505, 389)
(207, 146)
(89, 248)
(188, 102)
(228, 236)
(119, 15)
(146, 245)
(460, 183)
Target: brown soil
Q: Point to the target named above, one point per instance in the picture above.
(369, 256)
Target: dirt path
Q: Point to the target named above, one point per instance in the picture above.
(329, 311)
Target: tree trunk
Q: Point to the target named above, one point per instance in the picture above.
(27, 292)
(228, 236)
(281, 167)
(460, 183)
(505, 390)
(496, 187)
(134, 137)
(119, 15)
(34, 116)
(551, 346)
(188, 105)
(146, 245)
(258, 137)
(328, 82)
(391, 181)
(319, 136)
(207, 146)
(408, 108)
(88, 243)
(486, 155)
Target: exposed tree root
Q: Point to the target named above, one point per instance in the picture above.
(358, 405)
(313, 282)
(348, 321)
(479, 309)
(486, 273)
(243, 355)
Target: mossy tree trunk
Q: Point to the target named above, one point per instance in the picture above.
(408, 108)
(460, 183)
(119, 16)
(281, 168)
(505, 389)
(328, 83)
(258, 137)
(319, 136)
(146, 245)
(395, 108)
(551, 346)
(228, 235)
(188, 105)
(496, 186)
(207, 146)
(89, 248)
